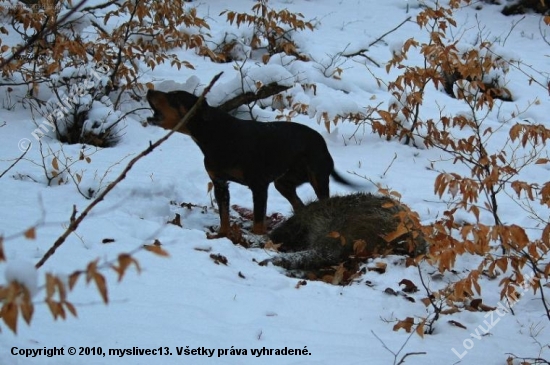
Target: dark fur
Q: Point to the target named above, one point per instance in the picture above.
(307, 242)
(249, 153)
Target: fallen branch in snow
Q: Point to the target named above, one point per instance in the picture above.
(402, 361)
(75, 219)
(263, 92)
(537, 360)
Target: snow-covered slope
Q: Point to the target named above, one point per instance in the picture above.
(188, 302)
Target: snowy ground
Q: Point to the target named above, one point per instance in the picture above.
(187, 301)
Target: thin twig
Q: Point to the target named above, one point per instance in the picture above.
(514, 24)
(388, 32)
(16, 161)
(395, 354)
(391, 163)
(430, 297)
(402, 361)
(76, 220)
(361, 52)
(537, 360)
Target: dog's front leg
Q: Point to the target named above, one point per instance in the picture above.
(259, 197)
(221, 192)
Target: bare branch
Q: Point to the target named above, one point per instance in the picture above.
(402, 361)
(395, 354)
(361, 52)
(263, 92)
(16, 161)
(388, 32)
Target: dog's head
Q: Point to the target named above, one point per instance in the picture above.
(169, 108)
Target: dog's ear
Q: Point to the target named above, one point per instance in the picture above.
(184, 98)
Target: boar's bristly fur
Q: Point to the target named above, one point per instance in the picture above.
(331, 231)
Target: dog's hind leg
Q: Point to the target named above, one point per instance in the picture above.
(259, 198)
(286, 185)
(320, 184)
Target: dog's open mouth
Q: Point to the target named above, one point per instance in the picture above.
(155, 119)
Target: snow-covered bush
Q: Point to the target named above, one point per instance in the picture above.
(473, 223)
(271, 29)
(79, 111)
(56, 50)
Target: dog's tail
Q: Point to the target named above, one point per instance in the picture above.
(336, 176)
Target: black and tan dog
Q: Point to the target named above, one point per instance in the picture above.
(250, 153)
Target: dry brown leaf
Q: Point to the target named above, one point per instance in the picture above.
(50, 285)
(124, 261)
(359, 247)
(409, 286)
(338, 277)
(9, 314)
(27, 310)
(426, 301)
(420, 329)
(156, 249)
(410, 261)
(71, 308)
(401, 230)
(333, 234)
(269, 245)
(101, 286)
(55, 164)
(59, 310)
(379, 267)
(452, 310)
(52, 306)
(176, 221)
(406, 324)
(73, 279)
(2, 254)
(4, 292)
(30, 233)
